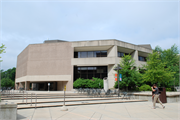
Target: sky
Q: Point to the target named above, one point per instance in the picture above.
(24, 22)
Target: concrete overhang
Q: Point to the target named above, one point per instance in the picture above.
(94, 61)
(142, 54)
(39, 78)
(92, 48)
(106, 44)
(125, 50)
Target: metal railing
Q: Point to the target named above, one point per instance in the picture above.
(12, 94)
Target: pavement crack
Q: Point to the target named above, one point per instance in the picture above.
(92, 115)
(127, 111)
(50, 113)
(33, 114)
(100, 117)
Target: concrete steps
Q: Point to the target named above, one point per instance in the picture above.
(94, 99)
(73, 104)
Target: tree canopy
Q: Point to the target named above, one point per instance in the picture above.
(130, 75)
(170, 58)
(2, 50)
(157, 72)
(8, 77)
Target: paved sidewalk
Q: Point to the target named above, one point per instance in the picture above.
(117, 111)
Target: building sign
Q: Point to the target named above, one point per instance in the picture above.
(115, 77)
(120, 77)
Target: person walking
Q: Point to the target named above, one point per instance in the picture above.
(156, 96)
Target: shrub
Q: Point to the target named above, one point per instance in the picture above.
(145, 88)
(171, 89)
(168, 89)
(88, 83)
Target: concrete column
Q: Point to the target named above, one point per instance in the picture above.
(111, 78)
(33, 85)
(135, 56)
(27, 85)
(16, 86)
(61, 84)
(112, 52)
(21, 85)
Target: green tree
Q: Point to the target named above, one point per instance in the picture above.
(2, 50)
(156, 71)
(130, 75)
(10, 73)
(171, 59)
(6, 82)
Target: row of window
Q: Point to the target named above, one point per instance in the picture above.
(89, 54)
(90, 72)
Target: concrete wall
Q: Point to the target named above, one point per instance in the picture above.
(8, 111)
(22, 60)
(60, 85)
(46, 62)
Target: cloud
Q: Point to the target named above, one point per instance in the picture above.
(24, 23)
(166, 43)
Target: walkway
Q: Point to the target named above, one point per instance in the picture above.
(116, 111)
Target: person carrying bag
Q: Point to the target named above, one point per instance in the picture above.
(156, 96)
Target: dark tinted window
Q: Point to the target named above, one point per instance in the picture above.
(98, 54)
(90, 76)
(75, 54)
(142, 58)
(89, 54)
(90, 72)
(121, 54)
(103, 53)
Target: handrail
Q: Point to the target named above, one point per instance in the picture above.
(36, 101)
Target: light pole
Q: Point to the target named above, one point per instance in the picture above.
(48, 86)
(64, 108)
(117, 68)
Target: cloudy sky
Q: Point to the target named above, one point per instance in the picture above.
(26, 22)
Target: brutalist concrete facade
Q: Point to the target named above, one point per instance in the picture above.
(53, 61)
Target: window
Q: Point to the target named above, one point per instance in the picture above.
(90, 72)
(121, 54)
(142, 58)
(103, 53)
(98, 54)
(75, 54)
(83, 54)
(90, 54)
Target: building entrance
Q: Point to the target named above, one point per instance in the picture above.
(43, 86)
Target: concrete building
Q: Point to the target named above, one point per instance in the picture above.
(60, 62)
